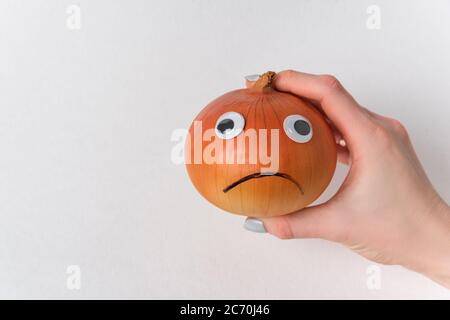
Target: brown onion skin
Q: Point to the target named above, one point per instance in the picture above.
(311, 164)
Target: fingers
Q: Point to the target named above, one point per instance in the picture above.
(338, 105)
(343, 153)
(311, 222)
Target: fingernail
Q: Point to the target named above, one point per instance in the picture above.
(254, 225)
(252, 77)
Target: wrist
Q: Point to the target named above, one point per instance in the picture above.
(432, 257)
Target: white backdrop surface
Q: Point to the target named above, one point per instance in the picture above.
(86, 116)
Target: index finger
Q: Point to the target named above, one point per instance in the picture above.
(340, 107)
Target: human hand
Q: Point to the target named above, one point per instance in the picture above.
(386, 210)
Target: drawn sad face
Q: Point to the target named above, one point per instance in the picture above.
(295, 158)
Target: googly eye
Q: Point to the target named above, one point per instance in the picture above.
(229, 125)
(298, 128)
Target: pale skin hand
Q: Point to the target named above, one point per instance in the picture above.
(386, 210)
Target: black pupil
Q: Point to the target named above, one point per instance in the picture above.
(302, 127)
(225, 125)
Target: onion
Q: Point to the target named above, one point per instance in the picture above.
(295, 158)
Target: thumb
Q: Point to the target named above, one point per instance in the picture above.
(311, 222)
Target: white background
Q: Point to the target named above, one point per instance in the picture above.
(86, 118)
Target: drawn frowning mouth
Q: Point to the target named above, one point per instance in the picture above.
(259, 175)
